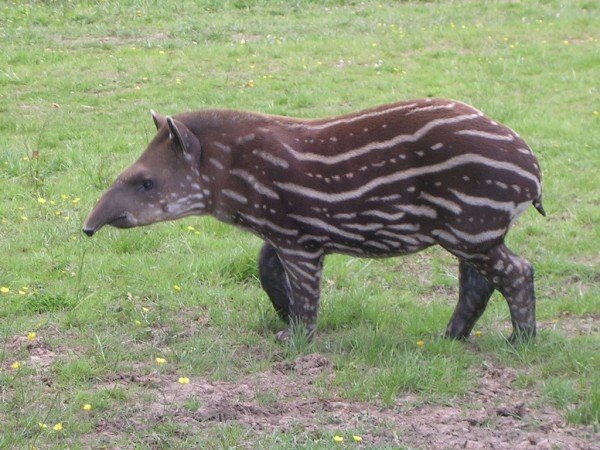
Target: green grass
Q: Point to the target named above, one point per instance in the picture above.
(77, 81)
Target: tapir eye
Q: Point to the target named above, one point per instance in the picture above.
(147, 184)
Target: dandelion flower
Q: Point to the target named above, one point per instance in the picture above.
(42, 425)
(176, 288)
(87, 407)
(75, 200)
(24, 218)
(183, 380)
(4, 290)
(190, 228)
(177, 80)
(58, 426)
(64, 196)
(338, 439)
(160, 361)
(41, 200)
(145, 309)
(138, 323)
(31, 335)
(357, 439)
(420, 343)
(16, 365)
(478, 333)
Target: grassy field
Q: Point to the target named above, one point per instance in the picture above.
(82, 321)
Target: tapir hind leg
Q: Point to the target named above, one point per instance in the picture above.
(473, 295)
(513, 277)
(273, 280)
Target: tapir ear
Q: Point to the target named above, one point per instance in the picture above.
(186, 144)
(158, 119)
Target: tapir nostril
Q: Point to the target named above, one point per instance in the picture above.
(90, 232)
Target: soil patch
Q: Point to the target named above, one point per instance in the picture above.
(298, 396)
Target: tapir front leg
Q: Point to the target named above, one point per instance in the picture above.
(274, 280)
(303, 271)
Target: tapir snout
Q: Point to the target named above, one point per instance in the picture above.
(108, 212)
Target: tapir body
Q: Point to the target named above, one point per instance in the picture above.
(382, 182)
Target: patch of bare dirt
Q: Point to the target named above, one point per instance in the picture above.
(37, 352)
(573, 325)
(114, 40)
(287, 398)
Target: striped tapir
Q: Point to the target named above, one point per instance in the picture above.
(382, 182)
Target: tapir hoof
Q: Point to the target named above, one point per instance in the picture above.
(522, 335)
(283, 336)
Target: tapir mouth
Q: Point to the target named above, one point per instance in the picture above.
(121, 222)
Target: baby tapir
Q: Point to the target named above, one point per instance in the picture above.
(382, 182)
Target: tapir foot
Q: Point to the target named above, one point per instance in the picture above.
(522, 335)
(297, 329)
(283, 335)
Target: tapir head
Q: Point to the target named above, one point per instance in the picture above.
(163, 184)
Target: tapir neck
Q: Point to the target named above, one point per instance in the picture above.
(240, 156)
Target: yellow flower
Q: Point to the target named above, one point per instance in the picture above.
(24, 218)
(64, 196)
(190, 228)
(31, 335)
(138, 323)
(41, 200)
(145, 309)
(338, 439)
(176, 288)
(42, 425)
(87, 407)
(4, 290)
(16, 365)
(420, 343)
(478, 333)
(357, 439)
(22, 292)
(177, 80)
(183, 380)
(160, 361)
(58, 427)
(75, 200)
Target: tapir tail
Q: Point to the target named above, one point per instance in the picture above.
(537, 204)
